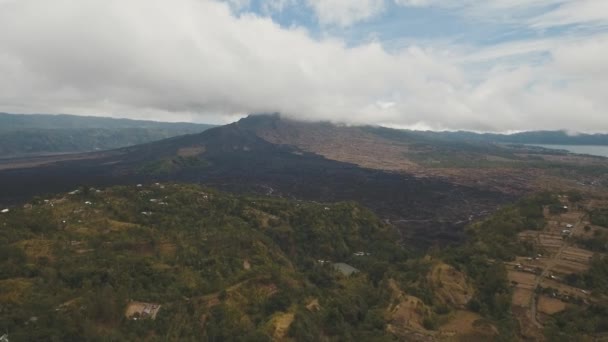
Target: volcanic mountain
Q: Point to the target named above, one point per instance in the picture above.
(270, 155)
(429, 186)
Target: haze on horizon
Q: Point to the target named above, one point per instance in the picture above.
(495, 65)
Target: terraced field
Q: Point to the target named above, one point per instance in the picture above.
(538, 280)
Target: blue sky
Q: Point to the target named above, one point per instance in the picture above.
(465, 21)
(483, 65)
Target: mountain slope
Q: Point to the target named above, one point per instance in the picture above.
(237, 158)
(14, 122)
(47, 134)
(429, 187)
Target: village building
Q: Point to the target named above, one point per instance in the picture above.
(345, 269)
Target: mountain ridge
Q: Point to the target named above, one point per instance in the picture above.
(40, 134)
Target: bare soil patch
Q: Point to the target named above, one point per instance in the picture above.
(450, 286)
(282, 322)
(568, 267)
(523, 279)
(549, 305)
(577, 255)
(142, 310)
(467, 326)
(522, 296)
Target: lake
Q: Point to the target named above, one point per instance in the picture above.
(595, 150)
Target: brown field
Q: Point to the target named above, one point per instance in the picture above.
(529, 235)
(549, 305)
(571, 217)
(568, 267)
(553, 240)
(522, 296)
(467, 326)
(523, 279)
(577, 255)
(580, 230)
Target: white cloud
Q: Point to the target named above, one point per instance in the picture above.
(196, 59)
(345, 12)
(591, 12)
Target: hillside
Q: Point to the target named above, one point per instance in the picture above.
(168, 261)
(430, 188)
(235, 158)
(551, 255)
(183, 262)
(40, 134)
(481, 163)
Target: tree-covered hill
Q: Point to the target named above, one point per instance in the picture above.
(43, 134)
(183, 262)
(221, 268)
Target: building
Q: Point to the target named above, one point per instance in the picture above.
(345, 269)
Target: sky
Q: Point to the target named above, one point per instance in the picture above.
(481, 65)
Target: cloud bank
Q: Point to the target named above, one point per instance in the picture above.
(199, 60)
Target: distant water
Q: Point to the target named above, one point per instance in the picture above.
(594, 150)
